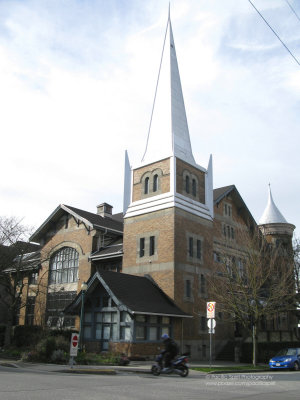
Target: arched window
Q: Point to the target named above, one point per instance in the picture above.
(187, 184)
(194, 187)
(146, 188)
(64, 266)
(155, 183)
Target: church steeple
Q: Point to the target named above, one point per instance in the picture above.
(168, 133)
(168, 175)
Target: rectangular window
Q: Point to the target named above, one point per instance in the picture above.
(107, 317)
(203, 324)
(140, 318)
(30, 310)
(199, 249)
(232, 233)
(140, 333)
(153, 319)
(191, 244)
(98, 332)
(142, 247)
(32, 280)
(166, 330)
(224, 230)
(202, 283)
(152, 246)
(188, 288)
(87, 332)
(153, 333)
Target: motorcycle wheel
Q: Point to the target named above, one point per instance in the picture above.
(155, 370)
(184, 371)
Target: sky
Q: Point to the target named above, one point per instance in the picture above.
(77, 82)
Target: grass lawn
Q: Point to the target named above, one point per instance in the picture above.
(232, 369)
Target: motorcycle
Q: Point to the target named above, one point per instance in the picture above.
(179, 366)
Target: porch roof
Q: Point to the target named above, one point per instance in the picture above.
(135, 294)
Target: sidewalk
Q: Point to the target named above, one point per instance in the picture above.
(134, 367)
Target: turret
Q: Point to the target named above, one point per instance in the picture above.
(273, 225)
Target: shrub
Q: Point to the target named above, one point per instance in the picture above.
(27, 335)
(30, 356)
(46, 347)
(2, 335)
(59, 356)
(61, 343)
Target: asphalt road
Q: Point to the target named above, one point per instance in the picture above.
(25, 384)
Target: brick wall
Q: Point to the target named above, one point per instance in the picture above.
(162, 168)
(181, 167)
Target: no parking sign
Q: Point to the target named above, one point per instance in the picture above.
(210, 309)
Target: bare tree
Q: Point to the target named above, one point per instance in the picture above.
(254, 284)
(296, 251)
(19, 261)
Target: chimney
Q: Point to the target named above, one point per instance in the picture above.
(104, 210)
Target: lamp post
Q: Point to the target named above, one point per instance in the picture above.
(83, 290)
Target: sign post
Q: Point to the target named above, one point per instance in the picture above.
(73, 347)
(211, 323)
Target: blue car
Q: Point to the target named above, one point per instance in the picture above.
(286, 359)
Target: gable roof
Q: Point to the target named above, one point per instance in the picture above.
(222, 192)
(97, 221)
(135, 294)
(90, 220)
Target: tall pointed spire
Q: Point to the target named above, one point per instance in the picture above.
(271, 214)
(168, 131)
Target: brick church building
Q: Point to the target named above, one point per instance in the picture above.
(146, 268)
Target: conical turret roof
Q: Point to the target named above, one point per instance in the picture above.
(272, 215)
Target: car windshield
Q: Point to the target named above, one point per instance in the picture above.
(287, 352)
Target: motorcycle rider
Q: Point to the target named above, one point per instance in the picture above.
(170, 351)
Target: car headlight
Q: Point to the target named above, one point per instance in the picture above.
(288, 359)
(271, 360)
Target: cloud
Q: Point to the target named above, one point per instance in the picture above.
(77, 83)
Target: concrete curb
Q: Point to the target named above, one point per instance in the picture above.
(8, 364)
(241, 371)
(88, 371)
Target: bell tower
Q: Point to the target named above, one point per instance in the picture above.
(168, 197)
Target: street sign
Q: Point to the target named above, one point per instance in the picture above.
(211, 323)
(74, 345)
(210, 309)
